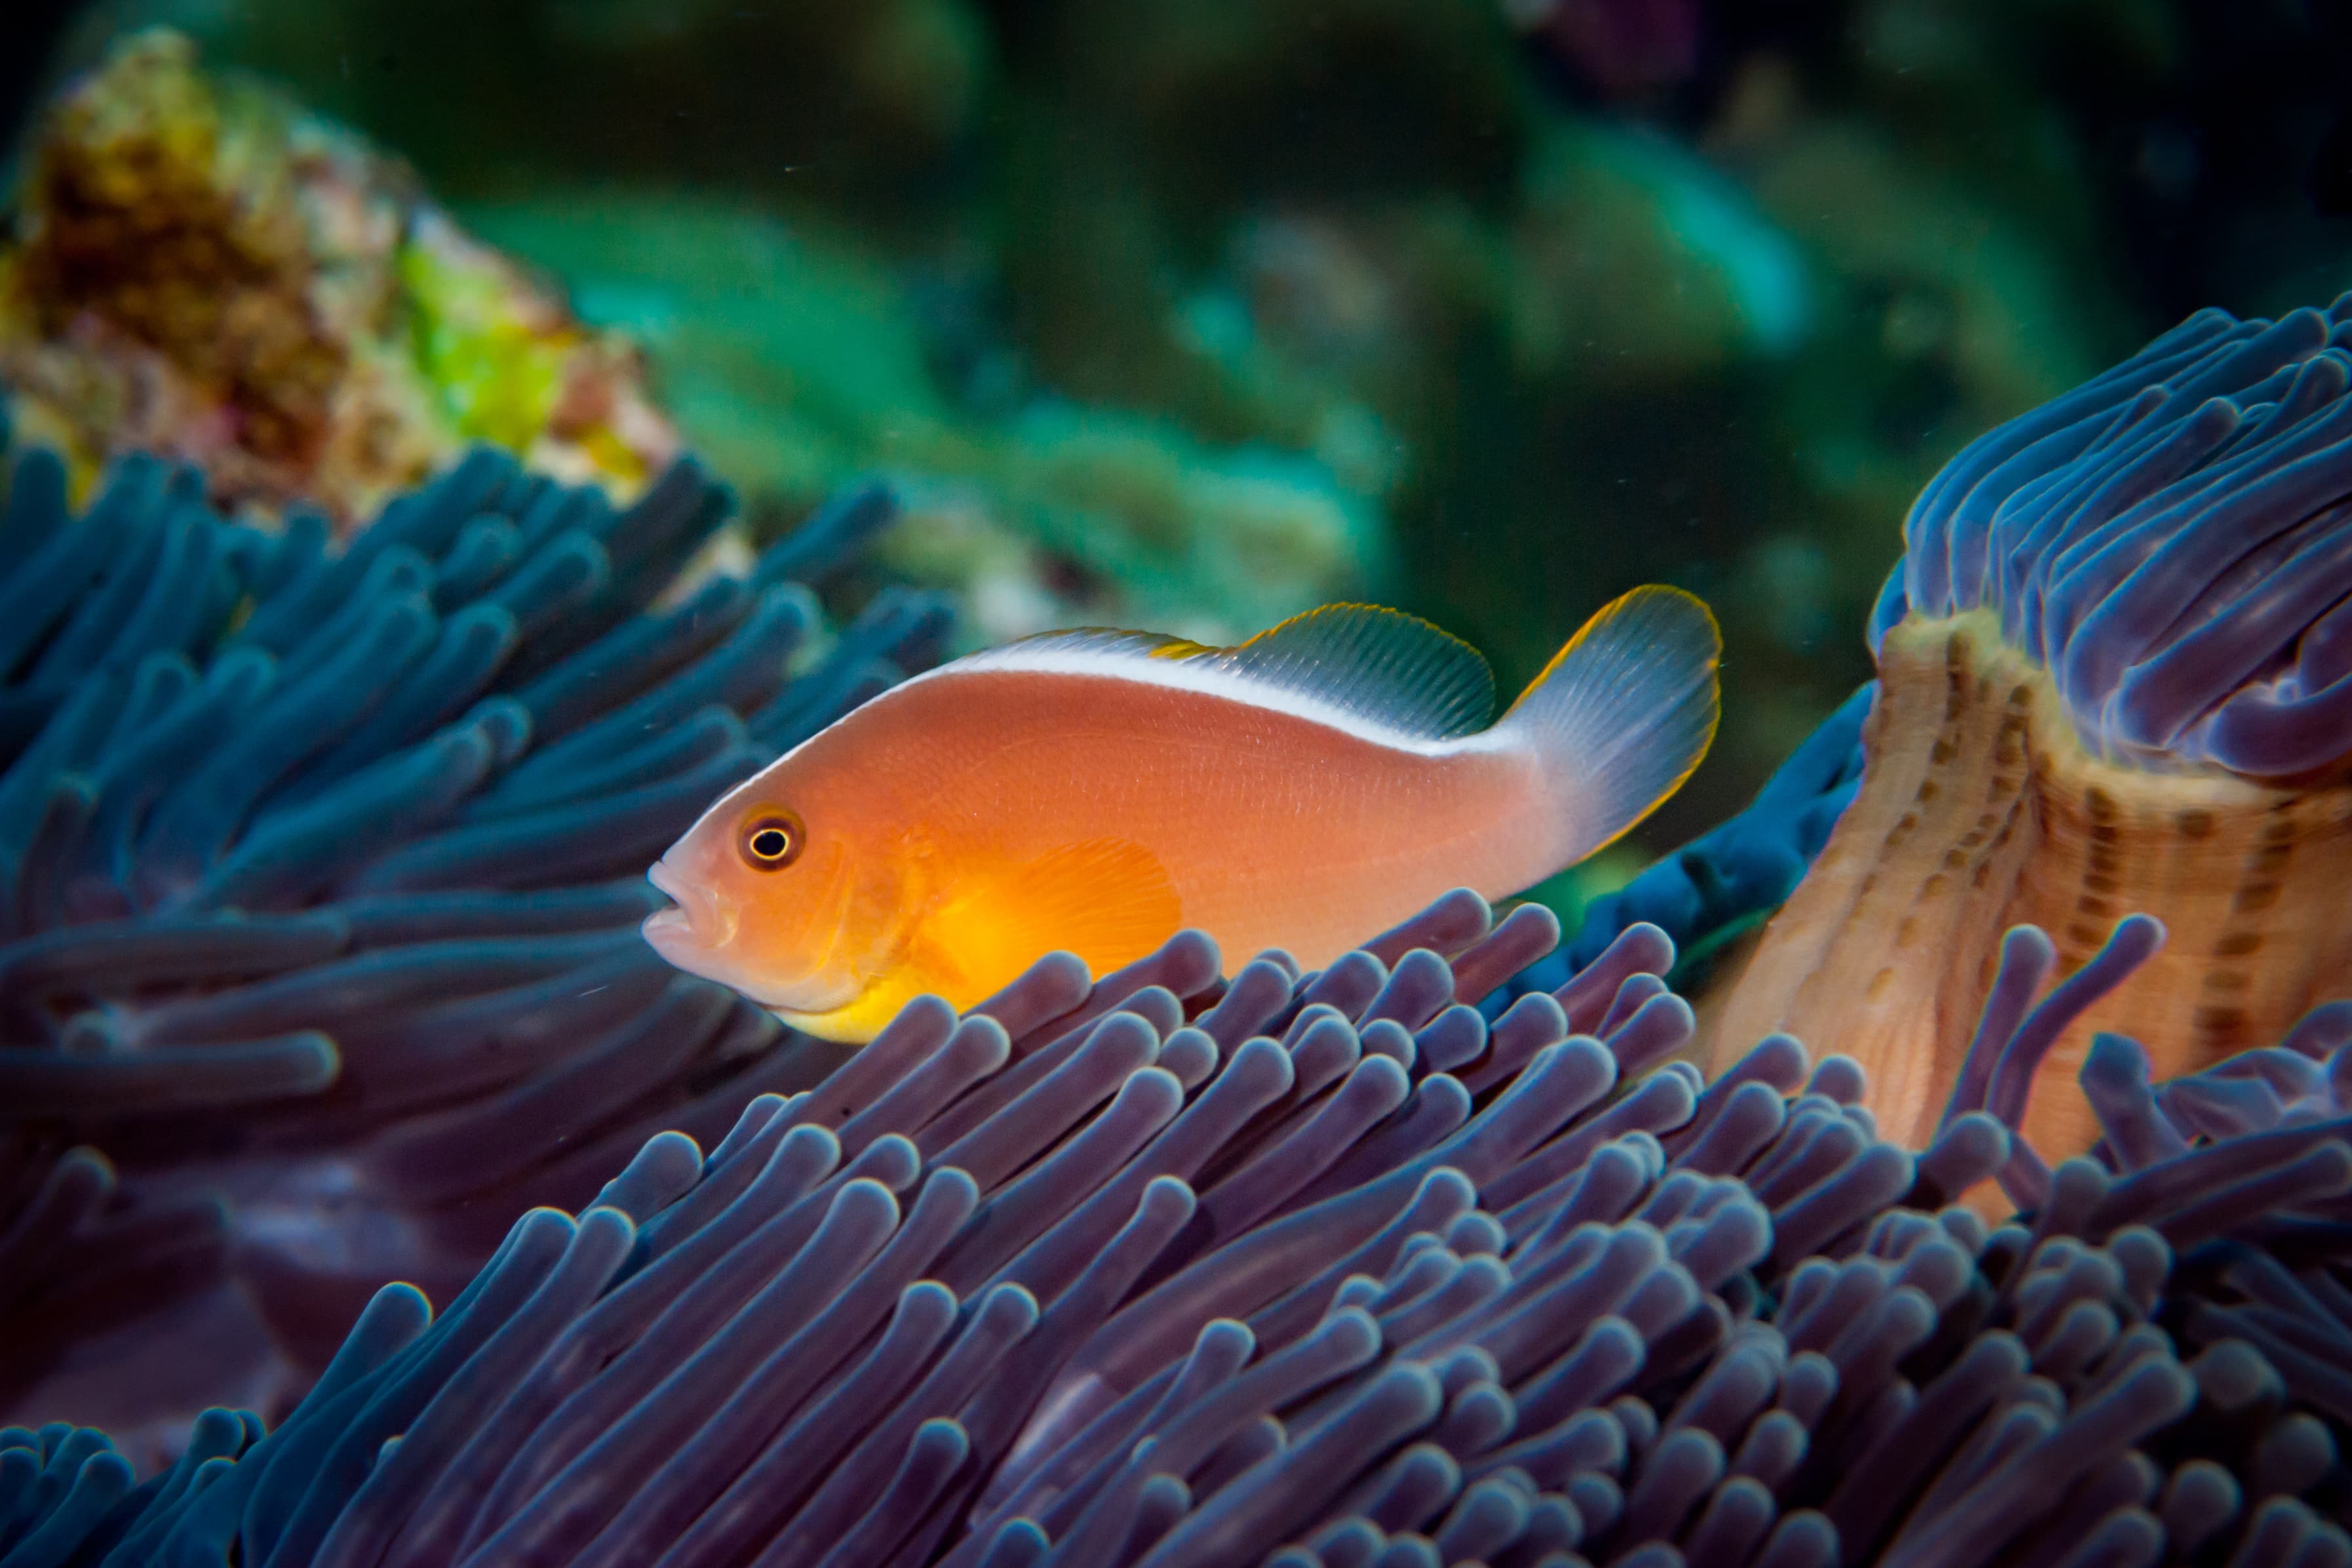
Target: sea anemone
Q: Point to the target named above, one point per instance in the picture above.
(320, 872)
(2114, 674)
(1158, 1268)
(1323, 1270)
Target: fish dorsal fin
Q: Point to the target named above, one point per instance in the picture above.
(1102, 642)
(1382, 666)
(1393, 670)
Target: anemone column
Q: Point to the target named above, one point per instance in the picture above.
(2114, 677)
(1979, 810)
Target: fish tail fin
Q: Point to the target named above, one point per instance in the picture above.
(1623, 714)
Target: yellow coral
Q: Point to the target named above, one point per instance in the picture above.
(201, 269)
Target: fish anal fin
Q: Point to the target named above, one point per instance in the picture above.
(1108, 900)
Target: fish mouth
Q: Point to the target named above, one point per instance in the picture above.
(695, 922)
(667, 928)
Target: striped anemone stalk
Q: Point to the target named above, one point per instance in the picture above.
(2114, 675)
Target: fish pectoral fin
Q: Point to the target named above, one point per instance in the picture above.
(1109, 900)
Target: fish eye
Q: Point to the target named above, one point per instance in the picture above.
(772, 839)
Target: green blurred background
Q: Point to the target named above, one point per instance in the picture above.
(1193, 312)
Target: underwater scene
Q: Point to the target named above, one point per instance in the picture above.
(1334, 784)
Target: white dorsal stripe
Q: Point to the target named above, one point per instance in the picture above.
(1071, 656)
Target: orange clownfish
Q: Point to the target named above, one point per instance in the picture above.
(1098, 790)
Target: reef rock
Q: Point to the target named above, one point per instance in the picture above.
(203, 271)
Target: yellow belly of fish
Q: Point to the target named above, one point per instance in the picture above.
(1979, 810)
(861, 1020)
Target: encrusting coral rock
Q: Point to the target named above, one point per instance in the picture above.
(320, 873)
(2112, 677)
(201, 270)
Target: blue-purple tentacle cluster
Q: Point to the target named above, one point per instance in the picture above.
(1329, 1272)
(321, 868)
(2172, 541)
